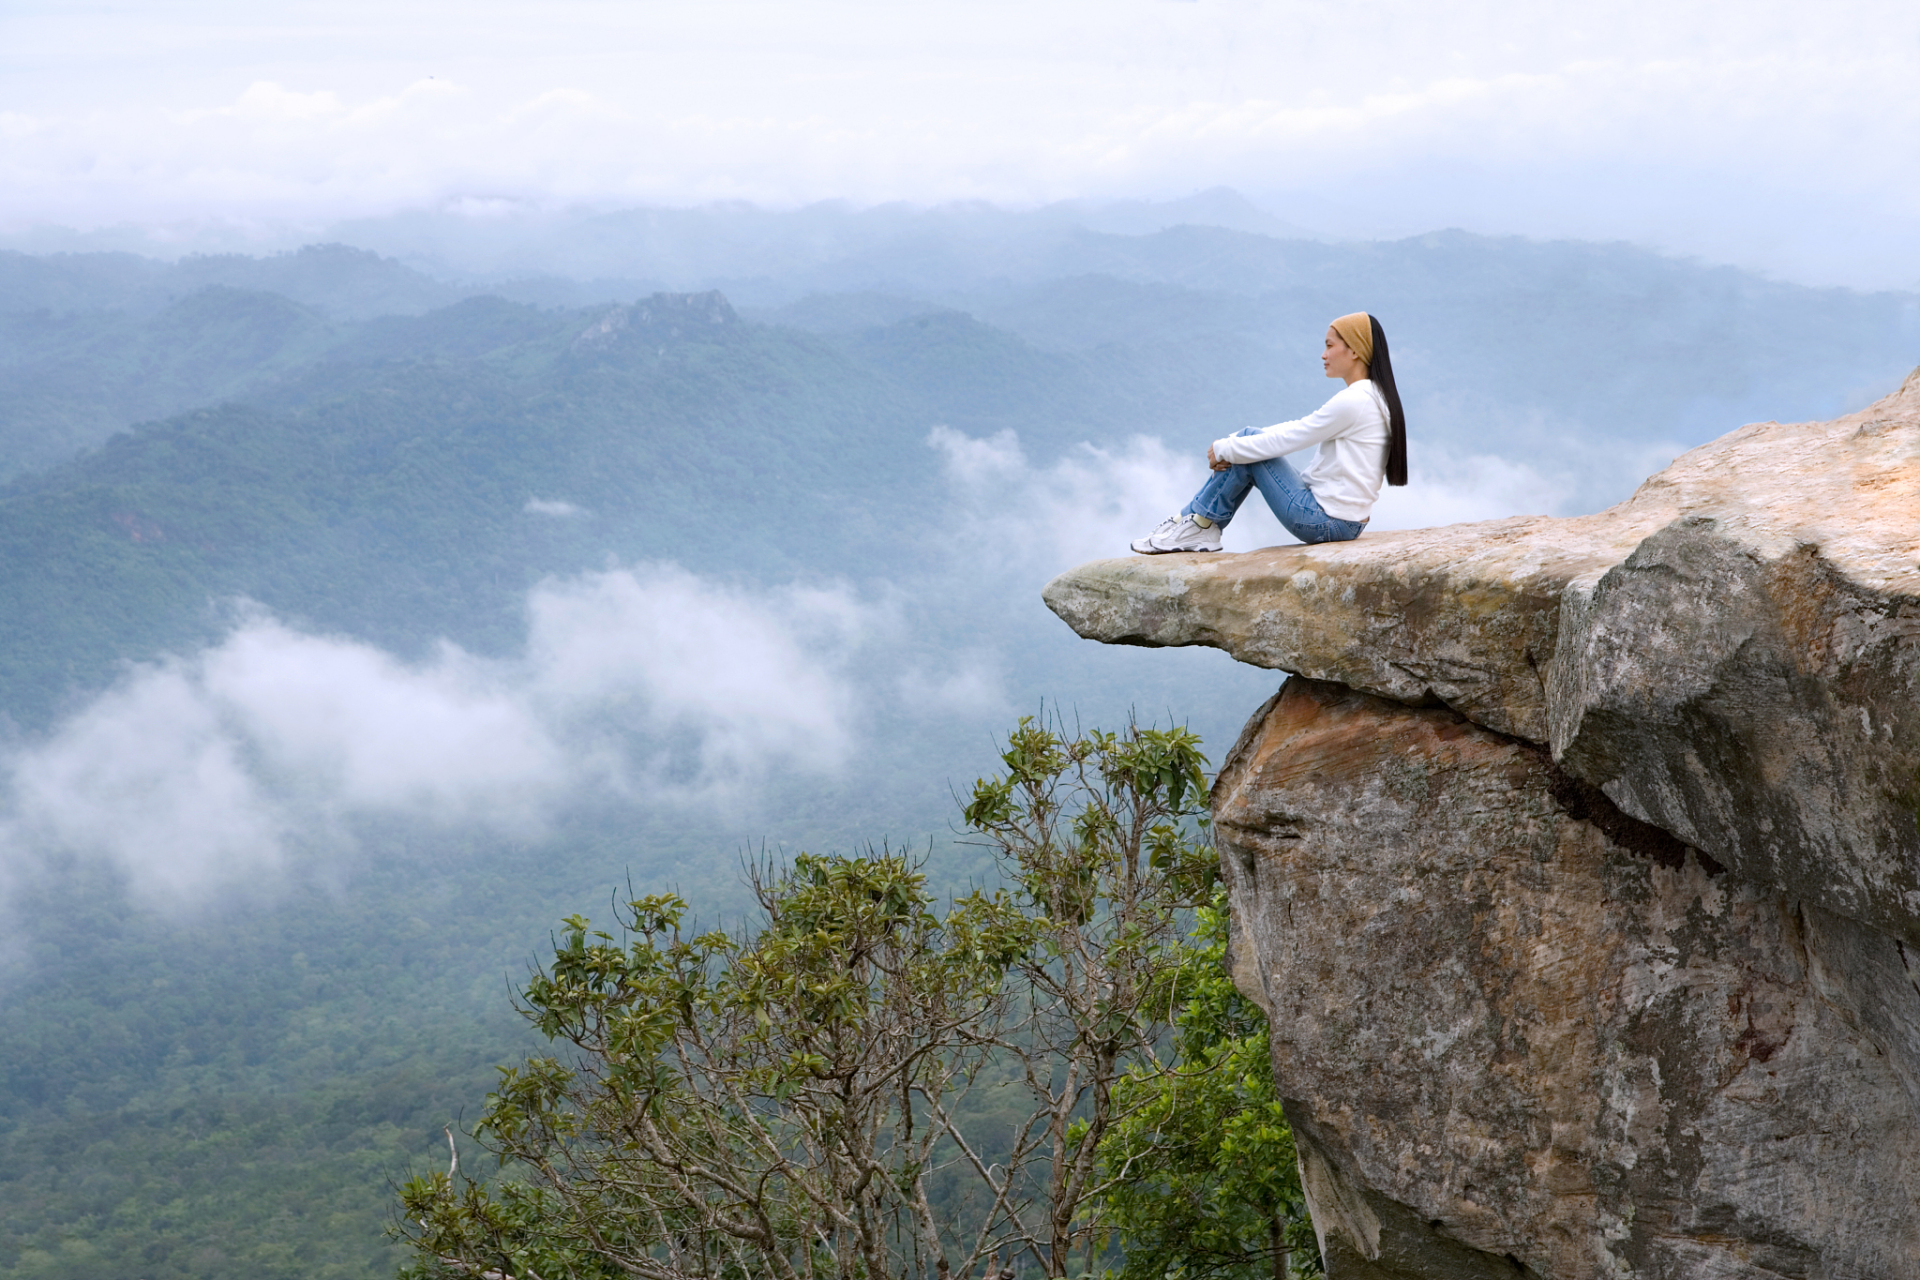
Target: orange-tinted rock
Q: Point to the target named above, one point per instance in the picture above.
(1519, 1032)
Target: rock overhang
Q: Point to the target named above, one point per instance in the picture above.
(1732, 654)
(1466, 616)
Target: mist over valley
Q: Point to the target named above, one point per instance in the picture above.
(372, 605)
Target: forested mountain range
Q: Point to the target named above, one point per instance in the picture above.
(1508, 335)
(402, 456)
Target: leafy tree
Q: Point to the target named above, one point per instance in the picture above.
(1093, 837)
(862, 1087)
(732, 1108)
(1201, 1173)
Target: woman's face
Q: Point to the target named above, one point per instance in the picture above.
(1339, 361)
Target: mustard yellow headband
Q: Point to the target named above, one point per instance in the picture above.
(1356, 331)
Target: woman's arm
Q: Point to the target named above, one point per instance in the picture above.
(1336, 416)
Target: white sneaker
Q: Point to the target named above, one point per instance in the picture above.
(1144, 545)
(1180, 533)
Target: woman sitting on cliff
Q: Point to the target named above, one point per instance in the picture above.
(1362, 434)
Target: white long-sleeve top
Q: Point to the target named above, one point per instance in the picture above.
(1351, 430)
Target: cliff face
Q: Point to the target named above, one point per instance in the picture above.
(1581, 871)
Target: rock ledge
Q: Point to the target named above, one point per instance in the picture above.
(1732, 654)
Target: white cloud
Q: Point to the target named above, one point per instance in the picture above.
(736, 679)
(265, 103)
(1758, 132)
(551, 507)
(455, 739)
(979, 460)
(970, 685)
(152, 777)
(1088, 504)
(647, 684)
(1445, 488)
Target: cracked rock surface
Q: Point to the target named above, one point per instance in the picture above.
(1580, 872)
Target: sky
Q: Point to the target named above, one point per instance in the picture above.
(1783, 137)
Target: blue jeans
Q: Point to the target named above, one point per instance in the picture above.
(1292, 502)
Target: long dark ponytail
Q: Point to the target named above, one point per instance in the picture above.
(1380, 369)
